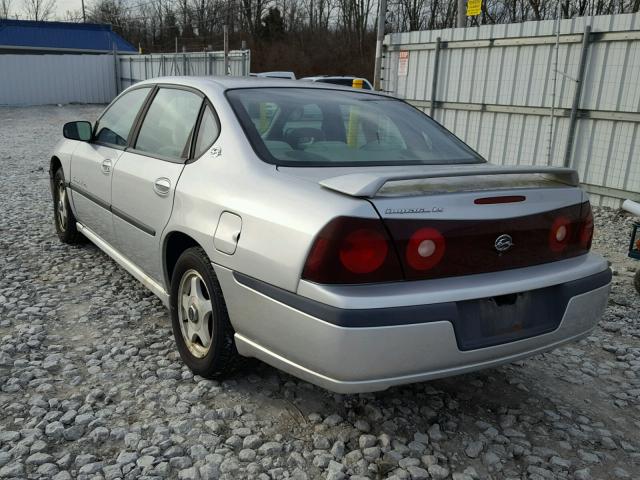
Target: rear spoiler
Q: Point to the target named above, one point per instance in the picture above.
(368, 184)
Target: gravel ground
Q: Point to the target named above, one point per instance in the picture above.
(91, 385)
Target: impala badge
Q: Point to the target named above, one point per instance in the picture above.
(216, 151)
(503, 243)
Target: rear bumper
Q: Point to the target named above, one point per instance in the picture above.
(360, 350)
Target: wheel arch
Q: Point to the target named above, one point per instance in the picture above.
(175, 243)
(54, 165)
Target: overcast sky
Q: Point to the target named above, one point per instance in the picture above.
(61, 8)
(63, 5)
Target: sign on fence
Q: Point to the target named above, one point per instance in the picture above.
(403, 63)
(474, 7)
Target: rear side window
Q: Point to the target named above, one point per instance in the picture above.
(168, 124)
(208, 131)
(115, 124)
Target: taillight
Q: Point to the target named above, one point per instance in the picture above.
(352, 250)
(560, 234)
(425, 249)
(364, 251)
(586, 230)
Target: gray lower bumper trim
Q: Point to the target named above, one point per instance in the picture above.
(405, 315)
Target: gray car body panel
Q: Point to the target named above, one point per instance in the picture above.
(280, 212)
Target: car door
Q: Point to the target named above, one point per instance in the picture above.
(93, 162)
(145, 177)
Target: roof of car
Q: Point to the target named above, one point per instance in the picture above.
(227, 83)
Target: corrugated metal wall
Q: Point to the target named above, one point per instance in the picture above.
(135, 68)
(47, 79)
(494, 89)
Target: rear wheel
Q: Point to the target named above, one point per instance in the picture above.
(636, 281)
(199, 317)
(64, 219)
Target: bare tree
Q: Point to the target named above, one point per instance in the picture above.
(39, 9)
(5, 7)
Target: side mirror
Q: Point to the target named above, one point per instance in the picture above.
(77, 131)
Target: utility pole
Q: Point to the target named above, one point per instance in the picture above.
(462, 15)
(382, 20)
(225, 32)
(84, 17)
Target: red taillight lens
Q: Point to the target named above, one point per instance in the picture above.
(560, 234)
(586, 231)
(352, 250)
(425, 249)
(364, 251)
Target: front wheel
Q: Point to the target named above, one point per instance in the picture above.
(199, 317)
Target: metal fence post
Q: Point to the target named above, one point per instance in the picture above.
(116, 70)
(434, 78)
(573, 119)
(225, 30)
(382, 19)
(130, 71)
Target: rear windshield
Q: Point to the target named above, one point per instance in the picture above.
(317, 127)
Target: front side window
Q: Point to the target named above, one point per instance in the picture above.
(316, 127)
(167, 126)
(115, 124)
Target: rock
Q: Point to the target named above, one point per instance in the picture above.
(90, 468)
(247, 455)
(588, 457)
(47, 470)
(474, 449)
(12, 470)
(582, 474)
(270, 448)
(189, 474)
(437, 472)
(54, 430)
(333, 420)
(39, 459)
(435, 435)
(145, 461)
(366, 441)
(99, 435)
(417, 473)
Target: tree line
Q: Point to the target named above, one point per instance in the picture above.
(309, 37)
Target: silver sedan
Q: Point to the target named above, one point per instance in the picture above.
(340, 235)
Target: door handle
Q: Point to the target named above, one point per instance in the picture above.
(106, 166)
(162, 186)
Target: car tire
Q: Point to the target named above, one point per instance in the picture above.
(199, 318)
(636, 281)
(64, 218)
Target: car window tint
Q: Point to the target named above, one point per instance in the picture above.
(114, 126)
(262, 115)
(317, 127)
(168, 124)
(208, 131)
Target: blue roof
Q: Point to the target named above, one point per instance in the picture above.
(61, 36)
